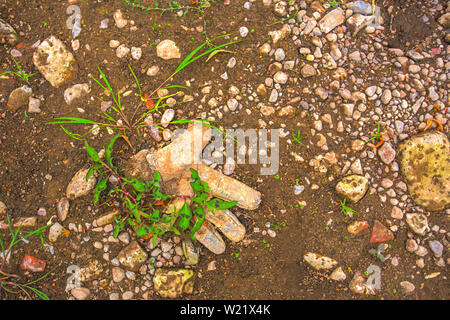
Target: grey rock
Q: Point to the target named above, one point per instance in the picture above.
(437, 248)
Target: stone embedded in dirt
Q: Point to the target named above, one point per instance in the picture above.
(281, 77)
(286, 111)
(424, 163)
(34, 105)
(421, 251)
(76, 92)
(132, 256)
(32, 264)
(357, 226)
(173, 283)
(106, 218)
(167, 49)
(407, 287)
(7, 33)
(25, 222)
(265, 48)
(411, 245)
(386, 96)
(54, 61)
(437, 248)
(386, 153)
(152, 71)
(78, 186)
(308, 71)
(118, 274)
(136, 53)
(418, 223)
(331, 20)
(80, 293)
(2, 208)
(62, 208)
(265, 109)
(19, 98)
(338, 274)
(353, 187)
(319, 262)
(167, 116)
(276, 35)
(360, 7)
(91, 271)
(380, 233)
(120, 21)
(280, 8)
(210, 238)
(227, 223)
(122, 51)
(444, 20)
(190, 253)
(397, 213)
(55, 232)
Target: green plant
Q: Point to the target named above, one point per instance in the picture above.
(335, 4)
(298, 138)
(377, 135)
(346, 210)
(172, 6)
(116, 117)
(276, 21)
(20, 74)
(143, 201)
(9, 281)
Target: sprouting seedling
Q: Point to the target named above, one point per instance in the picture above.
(276, 21)
(377, 135)
(335, 4)
(347, 210)
(21, 74)
(298, 138)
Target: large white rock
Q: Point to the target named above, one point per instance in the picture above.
(319, 262)
(54, 61)
(78, 186)
(332, 20)
(167, 49)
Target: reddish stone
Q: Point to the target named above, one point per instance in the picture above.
(435, 51)
(357, 226)
(380, 233)
(32, 264)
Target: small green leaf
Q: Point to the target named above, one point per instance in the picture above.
(185, 215)
(109, 148)
(101, 186)
(91, 171)
(200, 215)
(91, 151)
